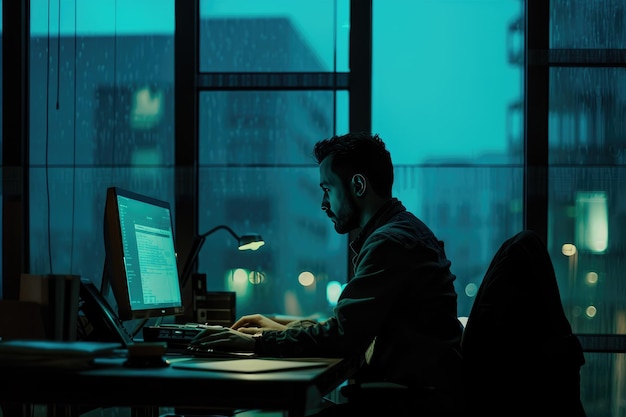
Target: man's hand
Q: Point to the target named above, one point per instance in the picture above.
(256, 323)
(223, 339)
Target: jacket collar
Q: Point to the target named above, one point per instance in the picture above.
(382, 216)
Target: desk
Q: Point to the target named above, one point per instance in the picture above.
(110, 384)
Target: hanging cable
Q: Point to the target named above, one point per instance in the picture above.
(115, 115)
(58, 54)
(74, 140)
(47, 137)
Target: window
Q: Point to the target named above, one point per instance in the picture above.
(445, 104)
(489, 134)
(256, 136)
(586, 160)
(1, 158)
(101, 114)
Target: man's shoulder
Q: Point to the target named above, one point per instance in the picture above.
(404, 230)
(408, 223)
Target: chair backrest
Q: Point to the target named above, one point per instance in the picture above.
(520, 356)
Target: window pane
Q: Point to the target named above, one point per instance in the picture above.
(80, 194)
(588, 156)
(587, 116)
(585, 211)
(274, 35)
(449, 104)
(257, 174)
(1, 153)
(263, 127)
(485, 211)
(282, 204)
(454, 92)
(587, 176)
(583, 24)
(102, 114)
(603, 381)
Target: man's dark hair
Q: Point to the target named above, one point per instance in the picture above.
(359, 153)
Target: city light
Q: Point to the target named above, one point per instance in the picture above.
(568, 249)
(306, 279)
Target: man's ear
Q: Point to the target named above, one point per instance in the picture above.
(359, 183)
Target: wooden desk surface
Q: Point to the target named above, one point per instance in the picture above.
(111, 384)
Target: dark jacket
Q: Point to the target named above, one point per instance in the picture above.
(401, 299)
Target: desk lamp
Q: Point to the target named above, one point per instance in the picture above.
(250, 241)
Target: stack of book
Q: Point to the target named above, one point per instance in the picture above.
(55, 353)
(59, 294)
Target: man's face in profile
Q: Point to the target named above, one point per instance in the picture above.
(338, 201)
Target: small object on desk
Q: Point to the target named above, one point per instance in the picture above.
(146, 355)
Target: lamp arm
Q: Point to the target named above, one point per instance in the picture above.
(195, 251)
(191, 259)
(221, 226)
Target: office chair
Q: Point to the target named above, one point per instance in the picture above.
(519, 354)
(389, 399)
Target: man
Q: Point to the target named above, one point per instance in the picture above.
(399, 310)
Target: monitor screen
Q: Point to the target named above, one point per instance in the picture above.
(140, 266)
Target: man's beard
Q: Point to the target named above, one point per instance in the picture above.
(348, 219)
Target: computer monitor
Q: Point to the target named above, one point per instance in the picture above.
(140, 266)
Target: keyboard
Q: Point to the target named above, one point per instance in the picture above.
(203, 352)
(175, 335)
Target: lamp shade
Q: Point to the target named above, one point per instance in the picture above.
(250, 241)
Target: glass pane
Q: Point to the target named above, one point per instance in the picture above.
(587, 116)
(587, 154)
(586, 211)
(264, 127)
(454, 93)
(602, 382)
(282, 204)
(80, 194)
(257, 174)
(274, 35)
(102, 114)
(583, 24)
(485, 211)
(1, 153)
(449, 104)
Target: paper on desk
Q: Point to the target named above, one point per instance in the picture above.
(53, 353)
(246, 365)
